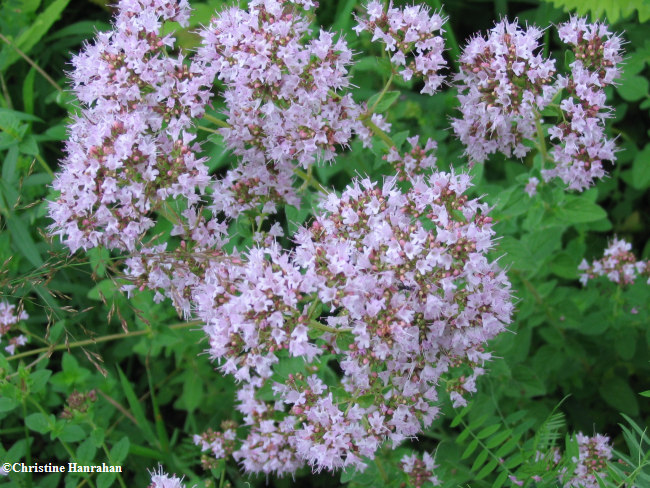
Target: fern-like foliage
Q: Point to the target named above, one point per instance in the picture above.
(512, 449)
(613, 10)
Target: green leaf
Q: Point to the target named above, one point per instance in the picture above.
(86, 452)
(487, 469)
(38, 422)
(497, 439)
(565, 266)
(384, 104)
(30, 37)
(120, 450)
(72, 433)
(579, 210)
(39, 379)
(22, 240)
(612, 9)
(469, 449)
(633, 88)
(136, 409)
(105, 480)
(192, 392)
(641, 169)
(99, 258)
(488, 431)
(480, 459)
(105, 288)
(618, 394)
(8, 404)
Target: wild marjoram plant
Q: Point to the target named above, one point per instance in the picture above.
(390, 280)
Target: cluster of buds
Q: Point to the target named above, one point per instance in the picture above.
(420, 471)
(619, 265)
(78, 403)
(410, 36)
(503, 85)
(581, 144)
(9, 318)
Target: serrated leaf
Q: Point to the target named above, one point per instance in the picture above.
(577, 210)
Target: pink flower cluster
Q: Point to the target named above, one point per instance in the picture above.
(160, 479)
(390, 280)
(129, 149)
(420, 471)
(9, 317)
(408, 303)
(414, 162)
(594, 452)
(281, 84)
(409, 35)
(503, 85)
(581, 143)
(619, 265)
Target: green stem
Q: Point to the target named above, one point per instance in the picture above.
(314, 324)
(371, 110)
(216, 121)
(379, 133)
(32, 63)
(108, 454)
(381, 470)
(541, 139)
(90, 342)
(44, 164)
(28, 450)
(310, 181)
(63, 443)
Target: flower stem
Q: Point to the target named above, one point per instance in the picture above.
(309, 180)
(371, 110)
(89, 342)
(216, 121)
(380, 133)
